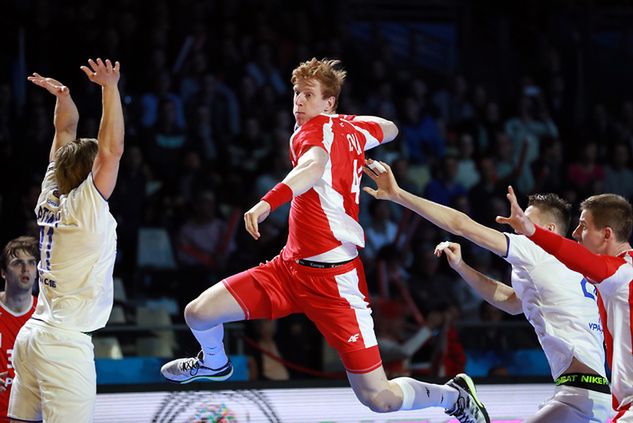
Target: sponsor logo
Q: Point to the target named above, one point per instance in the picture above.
(595, 326)
(353, 338)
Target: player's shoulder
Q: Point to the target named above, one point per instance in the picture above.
(317, 122)
(315, 127)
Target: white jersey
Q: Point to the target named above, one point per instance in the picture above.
(77, 252)
(559, 303)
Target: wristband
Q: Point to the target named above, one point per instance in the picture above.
(280, 194)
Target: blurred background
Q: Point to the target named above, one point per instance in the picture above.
(534, 94)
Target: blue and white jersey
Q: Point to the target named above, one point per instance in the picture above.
(77, 253)
(559, 303)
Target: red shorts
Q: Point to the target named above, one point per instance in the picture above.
(334, 299)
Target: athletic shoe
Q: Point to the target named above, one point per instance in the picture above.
(185, 370)
(468, 408)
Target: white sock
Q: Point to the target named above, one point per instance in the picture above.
(212, 346)
(417, 395)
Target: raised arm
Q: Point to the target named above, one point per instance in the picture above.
(389, 129)
(573, 255)
(111, 130)
(496, 293)
(66, 115)
(309, 169)
(449, 219)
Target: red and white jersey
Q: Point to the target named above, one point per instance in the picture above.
(10, 324)
(323, 222)
(613, 276)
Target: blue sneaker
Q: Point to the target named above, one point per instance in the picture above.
(186, 370)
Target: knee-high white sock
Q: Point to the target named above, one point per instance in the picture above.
(417, 395)
(212, 346)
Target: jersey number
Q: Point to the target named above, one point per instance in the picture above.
(583, 285)
(46, 245)
(358, 172)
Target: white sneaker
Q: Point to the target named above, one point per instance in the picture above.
(185, 370)
(468, 408)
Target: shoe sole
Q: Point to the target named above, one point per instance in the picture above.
(473, 393)
(202, 378)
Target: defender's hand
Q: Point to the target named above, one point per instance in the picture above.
(517, 219)
(51, 85)
(453, 252)
(102, 73)
(381, 174)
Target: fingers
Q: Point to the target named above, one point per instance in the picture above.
(371, 191)
(369, 172)
(89, 73)
(3, 381)
(502, 220)
(105, 66)
(440, 248)
(512, 196)
(251, 225)
(376, 166)
(51, 85)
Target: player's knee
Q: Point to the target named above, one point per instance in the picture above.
(194, 315)
(379, 403)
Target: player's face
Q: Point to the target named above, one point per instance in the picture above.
(587, 234)
(308, 101)
(21, 270)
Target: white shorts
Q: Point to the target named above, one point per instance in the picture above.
(574, 405)
(55, 378)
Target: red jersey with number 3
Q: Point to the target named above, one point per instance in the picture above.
(326, 216)
(10, 324)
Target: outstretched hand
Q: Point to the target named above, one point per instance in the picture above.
(51, 85)
(453, 252)
(102, 73)
(386, 185)
(517, 219)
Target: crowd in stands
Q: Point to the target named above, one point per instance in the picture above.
(208, 119)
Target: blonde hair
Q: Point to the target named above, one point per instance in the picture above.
(73, 163)
(323, 70)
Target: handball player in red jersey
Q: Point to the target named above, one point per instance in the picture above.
(318, 272)
(18, 267)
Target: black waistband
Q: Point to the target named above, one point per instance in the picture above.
(581, 380)
(319, 265)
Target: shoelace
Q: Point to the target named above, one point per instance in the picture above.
(460, 413)
(192, 363)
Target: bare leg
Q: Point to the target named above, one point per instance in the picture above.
(382, 395)
(214, 306)
(205, 316)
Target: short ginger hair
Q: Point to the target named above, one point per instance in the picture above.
(324, 71)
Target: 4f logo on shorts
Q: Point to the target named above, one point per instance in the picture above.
(354, 337)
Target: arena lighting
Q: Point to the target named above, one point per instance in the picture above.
(505, 403)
